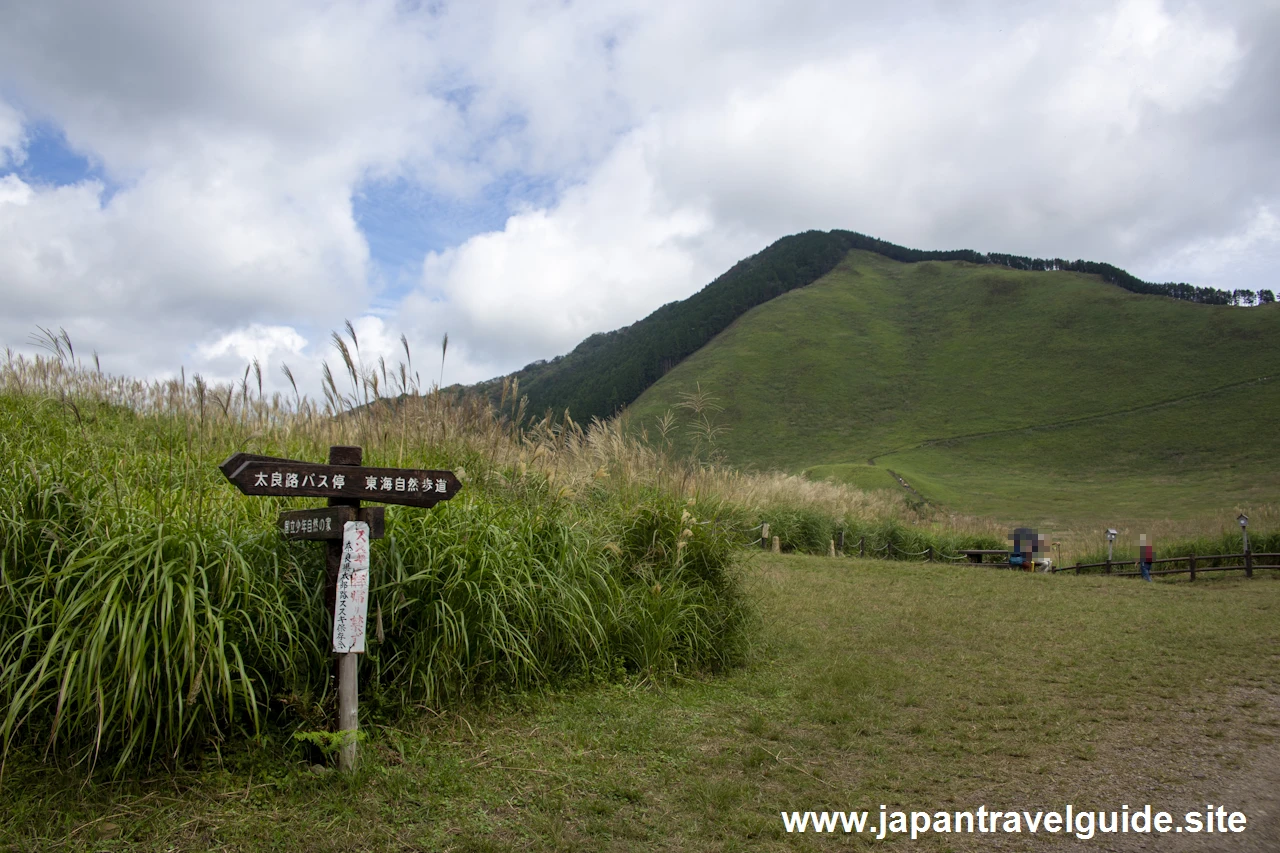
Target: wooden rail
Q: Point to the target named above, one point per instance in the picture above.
(1248, 562)
(976, 556)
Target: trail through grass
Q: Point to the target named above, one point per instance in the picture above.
(913, 686)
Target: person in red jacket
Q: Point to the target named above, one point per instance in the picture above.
(1146, 553)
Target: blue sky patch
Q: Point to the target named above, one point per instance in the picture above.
(52, 162)
(403, 221)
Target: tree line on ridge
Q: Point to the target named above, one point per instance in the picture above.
(609, 370)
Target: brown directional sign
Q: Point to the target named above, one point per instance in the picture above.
(268, 475)
(327, 523)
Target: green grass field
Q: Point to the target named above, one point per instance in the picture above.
(1035, 397)
(871, 684)
(867, 477)
(1156, 465)
(546, 676)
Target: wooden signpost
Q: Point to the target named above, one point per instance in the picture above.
(347, 531)
(268, 475)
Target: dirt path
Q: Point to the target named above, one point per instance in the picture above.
(1177, 773)
(1251, 786)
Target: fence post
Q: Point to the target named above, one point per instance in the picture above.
(889, 545)
(1248, 563)
(928, 554)
(1192, 561)
(777, 545)
(862, 546)
(764, 536)
(831, 547)
(1108, 568)
(840, 541)
(1077, 567)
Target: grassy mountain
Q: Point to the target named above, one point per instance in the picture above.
(1028, 395)
(610, 370)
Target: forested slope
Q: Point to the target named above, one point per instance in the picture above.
(609, 370)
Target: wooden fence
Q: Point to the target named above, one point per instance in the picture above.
(1248, 562)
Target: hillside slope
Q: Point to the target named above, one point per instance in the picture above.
(610, 370)
(992, 390)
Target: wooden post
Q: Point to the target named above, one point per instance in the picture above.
(344, 481)
(348, 713)
(1077, 567)
(764, 536)
(889, 552)
(862, 546)
(1248, 562)
(346, 666)
(777, 545)
(840, 541)
(1108, 568)
(831, 547)
(928, 554)
(1192, 561)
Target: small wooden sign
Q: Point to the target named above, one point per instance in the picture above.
(327, 522)
(268, 475)
(349, 528)
(351, 609)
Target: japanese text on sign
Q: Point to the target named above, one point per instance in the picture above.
(289, 480)
(268, 475)
(307, 525)
(351, 606)
(404, 484)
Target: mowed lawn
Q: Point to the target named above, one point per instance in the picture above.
(914, 686)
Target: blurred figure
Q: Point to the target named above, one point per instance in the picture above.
(1146, 553)
(1044, 562)
(1030, 549)
(1020, 536)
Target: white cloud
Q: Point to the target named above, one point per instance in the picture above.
(610, 252)
(1006, 152)
(12, 137)
(255, 341)
(376, 352)
(14, 191)
(1006, 140)
(1243, 257)
(175, 257)
(138, 82)
(674, 139)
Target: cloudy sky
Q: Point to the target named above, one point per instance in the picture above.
(192, 185)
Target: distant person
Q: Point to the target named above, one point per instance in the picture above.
(1146, 553)
(1022, 555)
(1015, 552)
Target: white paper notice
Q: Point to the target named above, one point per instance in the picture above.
(352, 603)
